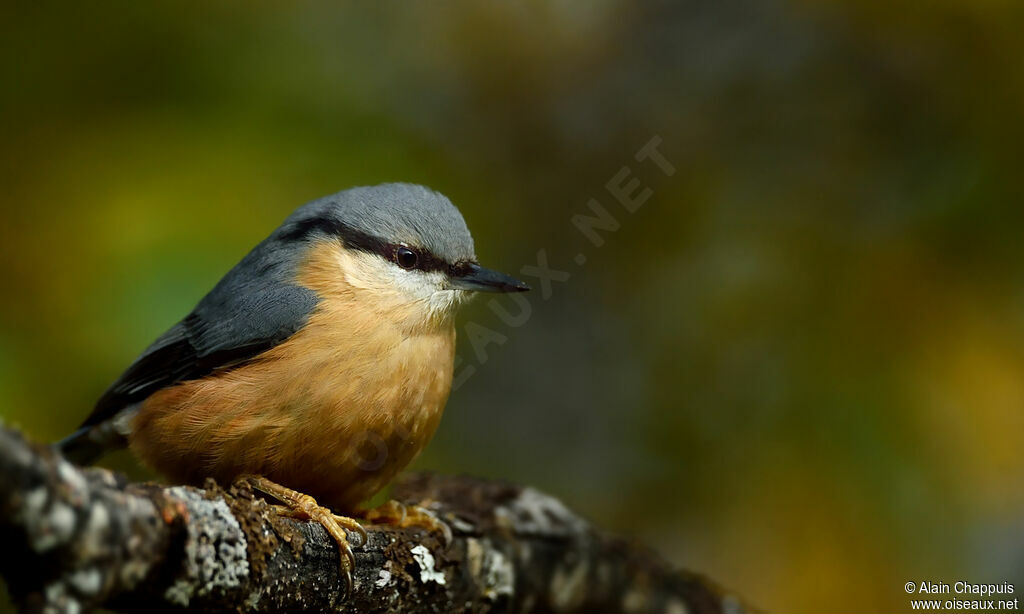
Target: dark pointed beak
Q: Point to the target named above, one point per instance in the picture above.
(473, 277)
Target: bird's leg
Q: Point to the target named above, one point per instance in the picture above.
(400, 515)
(346, 522)
(304, 507)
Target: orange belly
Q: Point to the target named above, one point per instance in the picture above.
(335, 411)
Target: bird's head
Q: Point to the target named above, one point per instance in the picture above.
(397, 244)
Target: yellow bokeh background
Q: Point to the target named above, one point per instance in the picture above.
(797, 369)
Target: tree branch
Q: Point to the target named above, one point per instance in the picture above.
(74, 539)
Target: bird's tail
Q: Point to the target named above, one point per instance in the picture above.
(90, 442)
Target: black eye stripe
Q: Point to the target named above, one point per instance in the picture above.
(460, 269)
(424, 260)
(355, 239)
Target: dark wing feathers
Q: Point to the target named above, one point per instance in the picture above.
(253, 308)
(229, 326)
(168, 359)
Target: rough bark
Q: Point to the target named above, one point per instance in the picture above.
(75, 539)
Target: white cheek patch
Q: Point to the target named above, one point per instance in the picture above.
(360, 270)
(370, 272)
(445, 301)
(429, 289)
(417, 285)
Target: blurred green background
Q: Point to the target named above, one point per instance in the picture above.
(799, 368)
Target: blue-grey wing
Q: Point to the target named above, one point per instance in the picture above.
(223, 331)
(253, 308)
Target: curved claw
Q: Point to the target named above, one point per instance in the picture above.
(335, 526)
(348, 565)
(427, 518)
(355, 527)
(446, 533)
(299, 505)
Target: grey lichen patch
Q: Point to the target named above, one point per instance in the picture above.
(86, 581)
(535, 513)
(58, 600)
(32, 506)
(103, 478)
(48, 525)
(73, 481)
(215, 549)
(493, 571)
(95, 534)
(263, 529)
(425, 560)
(384, 576)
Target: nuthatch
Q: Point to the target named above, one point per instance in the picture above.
(317, 368)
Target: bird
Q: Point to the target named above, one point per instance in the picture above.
(316, 369)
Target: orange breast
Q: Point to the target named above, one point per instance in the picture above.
(335, 411)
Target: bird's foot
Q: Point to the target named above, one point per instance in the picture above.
(304, 507)
(402, 516)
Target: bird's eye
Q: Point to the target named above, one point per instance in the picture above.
(406, 258)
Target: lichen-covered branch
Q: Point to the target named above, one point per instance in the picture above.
(75, 539)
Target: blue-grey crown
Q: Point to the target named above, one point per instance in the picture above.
(374, 217)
